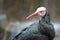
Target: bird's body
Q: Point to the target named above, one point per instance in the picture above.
(34, 30)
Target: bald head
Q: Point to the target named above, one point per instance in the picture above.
(41, 9)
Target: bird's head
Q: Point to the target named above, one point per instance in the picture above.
(41, 11)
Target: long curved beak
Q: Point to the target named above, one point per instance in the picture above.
(33, 14)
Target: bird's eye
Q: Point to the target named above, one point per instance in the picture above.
(41, 11)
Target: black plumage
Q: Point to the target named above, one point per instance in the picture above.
(41, 30)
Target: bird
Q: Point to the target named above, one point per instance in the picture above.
(41, 30)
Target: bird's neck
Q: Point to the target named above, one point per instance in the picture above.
(40, 18)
